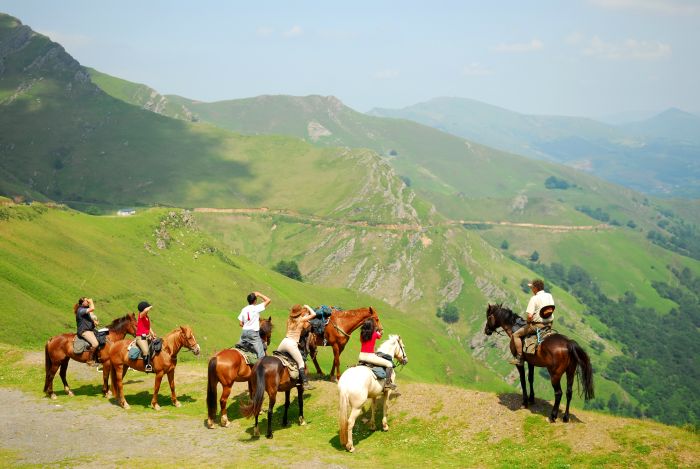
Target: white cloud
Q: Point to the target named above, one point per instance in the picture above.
(264, 31)
(628, 49)
(67, 40)
(518, 47)
(386, 74)
(667, 7)
(574, 38)
(476, 69)
(295, 31)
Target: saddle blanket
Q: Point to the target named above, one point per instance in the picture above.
(379, 372)
(289, 362)
(249, 357)
(80, 345)
(532, 341)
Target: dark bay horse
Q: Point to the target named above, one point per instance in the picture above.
(557, 353)
(337, 333)
(228, 367)
(59, 350)
(271, 376)
(163, 363)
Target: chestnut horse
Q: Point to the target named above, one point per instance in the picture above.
(357, 385)
(337, 333)
(228, 367)
(59, 350)
(557, 353)
(163, 363)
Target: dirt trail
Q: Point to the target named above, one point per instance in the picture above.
(396, 227)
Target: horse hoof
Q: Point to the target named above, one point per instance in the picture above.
(108, 395)
(70, 394)
(351, 449)
(53, 396)
(302, 422)
(226, 424)
(565, 419)
(210, 424)
(552, 420)
(125, 405)
(177, 404)
(269, 437)
(155, 406)
(385, 428)
(256, 433)
(523, 405)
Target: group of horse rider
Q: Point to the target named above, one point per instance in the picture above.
(87, 323)
(297, 322)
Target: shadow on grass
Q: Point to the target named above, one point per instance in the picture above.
(88, 390)
(277, 414)
(361, 430)
(513, 401)
(143, 399)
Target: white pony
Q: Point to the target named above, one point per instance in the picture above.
(357, 384)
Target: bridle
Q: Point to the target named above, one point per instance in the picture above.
(404, 358)
(490, 329)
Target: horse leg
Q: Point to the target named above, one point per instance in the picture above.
(569, 391)
(62, 374)
(351, 423)
(48, 385)
(556, 384)
(286, 407)
(272, 396)
(156, 388)
(106, 368)
(385, 411)
(531, 379)
(119, 373)
(222, 402)
(523, 385)
(313, 351)
(171, 382)
(373, 407)
(336, 363)
(300, 399)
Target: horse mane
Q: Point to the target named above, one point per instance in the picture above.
(119, 323)
(393, 338)
(504, 315)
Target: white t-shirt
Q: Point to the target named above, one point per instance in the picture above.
(250, 316)
(537, 302)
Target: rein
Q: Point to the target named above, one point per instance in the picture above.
(337, 328)
(400, 363)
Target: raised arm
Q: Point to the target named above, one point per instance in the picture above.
(266, 300)
(310, 315)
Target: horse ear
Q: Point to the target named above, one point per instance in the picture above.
(269, 319)
(182, 328)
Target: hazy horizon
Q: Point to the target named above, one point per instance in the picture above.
(595, 58)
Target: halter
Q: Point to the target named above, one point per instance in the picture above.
(494, 329)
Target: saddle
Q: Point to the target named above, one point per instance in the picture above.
(531, 342)
(154, 348)
(80, 345)
(288, 362)
(249, 355)
(379, 371)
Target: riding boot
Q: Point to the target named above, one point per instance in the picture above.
(517, 360)
(91, 357)
(305, 380)
(390, 384)
(148, 368)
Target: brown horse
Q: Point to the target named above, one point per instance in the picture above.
(163, 363)
(228, 367)
(557, 353)
(270, 375)
(337, 333)
(59, 350)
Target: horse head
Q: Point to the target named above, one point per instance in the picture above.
(491, 325)
(188, 339)
(266, 330)
(400, 351)
(124, 325)
(373, 315)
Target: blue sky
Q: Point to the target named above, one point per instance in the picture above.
(576, 57)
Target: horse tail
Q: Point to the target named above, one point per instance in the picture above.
(257, 380)
(213, 381)
(113, 380)
(584, 368)
(344, 401)
(47, 364)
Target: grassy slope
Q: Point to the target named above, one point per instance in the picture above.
(53, 258)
